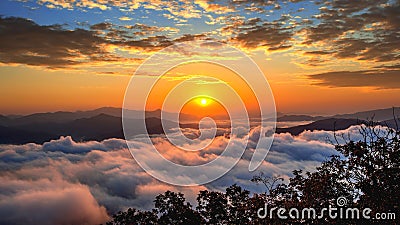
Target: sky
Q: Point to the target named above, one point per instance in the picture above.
(319, 57)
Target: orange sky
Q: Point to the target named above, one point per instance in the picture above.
(27, 90)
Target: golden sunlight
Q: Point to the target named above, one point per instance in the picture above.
(203, 102)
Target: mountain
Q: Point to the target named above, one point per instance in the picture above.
(166, 116)
(63, 117)
(103, 123)
(292, 118)
(393, 123)
(376, 115)
(4, 119)
(59, 117)
(98, 127)
(330, 124)
(10, 135)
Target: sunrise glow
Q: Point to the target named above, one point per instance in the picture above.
(203, 102)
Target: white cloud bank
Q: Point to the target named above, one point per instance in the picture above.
(65, 182)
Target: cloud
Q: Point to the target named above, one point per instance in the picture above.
(101, 26)
(53, 4)
(125, 18)
(215, 8)
(254, 34)
(143, 29)
(179, 9)
(381, 79)
(366, 31)
(68, 182)
(23, 41)
(71, 4)
(318, 52)
(334, 23)
(50, 202)
(67, 145)
(105, 170)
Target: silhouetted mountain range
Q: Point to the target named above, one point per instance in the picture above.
(292, 118)
(61, 117)
(103, 123)
(385, 117)
(376, 115)
(330, 124)
(98, 124)
(333, 124)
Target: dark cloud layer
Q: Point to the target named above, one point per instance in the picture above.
(381, 79)
(273, 35)
(366, 30)
(24, 42)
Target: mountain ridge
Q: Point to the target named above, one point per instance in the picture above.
(98, 124)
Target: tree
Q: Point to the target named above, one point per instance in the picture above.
(238, 208)
(269, 182)
(366, 174)
(372, 166)
(134, 217)
(213, 207)
(173, 209)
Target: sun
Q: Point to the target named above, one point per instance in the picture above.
(203, 101)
